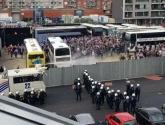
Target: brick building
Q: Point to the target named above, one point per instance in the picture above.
(20, 9)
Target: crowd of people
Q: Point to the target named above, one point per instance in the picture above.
(16, 50)
(29, 97)
(113, 98)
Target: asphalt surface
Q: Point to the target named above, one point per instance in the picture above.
(62, 100)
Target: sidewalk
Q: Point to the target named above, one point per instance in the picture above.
(5, 60)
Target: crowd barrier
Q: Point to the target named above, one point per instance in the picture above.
(106, 71)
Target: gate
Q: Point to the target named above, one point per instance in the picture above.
(15, 16)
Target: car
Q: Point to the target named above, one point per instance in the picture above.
(120, 118)
(84, 118)
(149, 116)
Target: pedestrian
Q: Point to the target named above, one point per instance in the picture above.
(78, 91)
(110, 99)
(117, 102)
(137, 92)
(133, 103)
(128, 86)
(124, 101)
(102, 94)
(98, 101)
(32, 98)
(16, 52)
(93, 94)
(127, 104)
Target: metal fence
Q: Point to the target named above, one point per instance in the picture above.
(106, 71)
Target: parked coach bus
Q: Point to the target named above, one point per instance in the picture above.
(59, 52)
(34, 53)
(42, 33)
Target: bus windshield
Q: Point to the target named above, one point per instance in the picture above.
(131, 40)
(62, 52)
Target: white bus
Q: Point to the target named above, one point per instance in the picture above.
(21, 79)
(59, 52)
(113, 28)
(94, 30)
(144, 37)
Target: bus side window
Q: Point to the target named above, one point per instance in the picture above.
(18, 80)
(28, 78)
(37, 77)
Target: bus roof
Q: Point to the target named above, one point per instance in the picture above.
(147, 31)
(60, 27)
(90, 25)
(116, 26)
(32, 45)
(139, 27)
(23, 72)
(128, 25)
(57, 42)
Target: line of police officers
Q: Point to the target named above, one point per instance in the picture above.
(99, 93)
(27, 97)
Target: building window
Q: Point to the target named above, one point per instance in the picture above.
(141, 14)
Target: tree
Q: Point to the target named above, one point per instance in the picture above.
(68, 18)
(83, 20)
(89, 20)
(76, 20)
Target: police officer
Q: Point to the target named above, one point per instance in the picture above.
(78, 90)
(132, 90)
(79, 81)
(2, 94)
(128, 86)
(106, 93)
(11, 95)
(110, 99)
(124, 101)
(119, 94)
(133, 102)
(137, 92)
(41, 96)
(98, 86)
(107, 90)
(32, 98)
(117, 102)
(86, 81)
(84, 77)
(17, 96)
(127, 104)
(93, 94)
(75, 82)
(98, 100)
(102, 94)
(86, 71)
(35, 93)
(113, 95)
(25, 96)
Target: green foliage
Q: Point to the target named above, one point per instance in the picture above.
(83, 20)
(76, 20)
(68, 18)
(89, 20)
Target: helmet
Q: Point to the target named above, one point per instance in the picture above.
(89, 77)
(98, 93)
(107, 88)
(32, 89)
(10, 93)
(131, 85)
(138, 85)
(101, 87)
(78, 79)
(93, 83)
(86, 74)
(109, 91)
(116, 94)
(112, 90)
(85, 70)
(78, 84)
(25, 90)
(133, 94)
(127, 97)
(128, 81)
(32, 92)
(93, 87)
(17, 92)
(99, 83)
(118, 90)
(2, 94)
(41, 90)
(125, 93)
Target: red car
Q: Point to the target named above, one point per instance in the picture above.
(120, 118)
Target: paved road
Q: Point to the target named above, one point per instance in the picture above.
(62, 99)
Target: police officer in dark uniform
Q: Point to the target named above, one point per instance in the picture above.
(106, 93)
(86, 80)
(78, 90)
(128, 86)
(133, 102)
(93, 94)
(124, 101)
(88, 84)
(11, 95)
(17, 96)
(98, 100)
(132, 90)
(117, 102)
(98, 86)
(102, 94)
(120, 95)
(137, 92)
(75, 82)
(79, 81)
(84, 77)
(41, 96)
(110, 99)
(32, 98)
(127, 104)
(25, 96)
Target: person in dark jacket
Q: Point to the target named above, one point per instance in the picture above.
(98, 101)
(137, 92)
(78, 90)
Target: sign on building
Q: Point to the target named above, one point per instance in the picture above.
(78, 12)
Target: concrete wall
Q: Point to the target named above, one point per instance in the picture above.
(106, 71)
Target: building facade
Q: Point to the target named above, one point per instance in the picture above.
(140, 11)
(20, 9)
